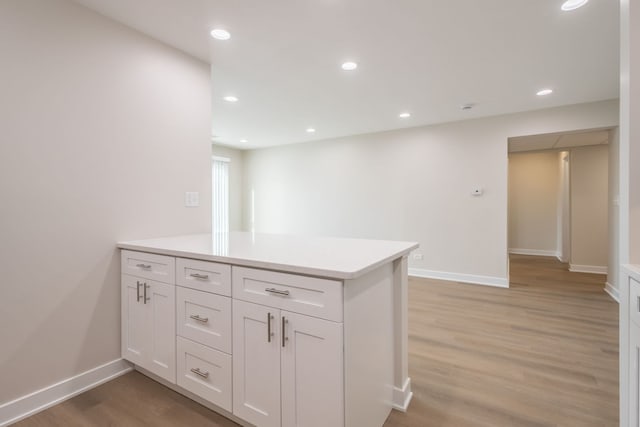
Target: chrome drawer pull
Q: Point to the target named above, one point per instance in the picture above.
(199, 276)
(285, 321)
(145, 293)
(199, 319)
(145, 266)
(197, 371)
(138, 284)
(269, 333)
(277, 291)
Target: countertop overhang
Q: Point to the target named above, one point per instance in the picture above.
(337, 258)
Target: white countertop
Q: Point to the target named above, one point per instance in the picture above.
(317, 256)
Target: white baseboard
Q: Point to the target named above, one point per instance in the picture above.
(536, 252)
(402, 397)
(595, 269)
(459, 277)
(612, 291)
(42, 399)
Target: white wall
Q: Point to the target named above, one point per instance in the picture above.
(534, 182)
(409, 184)
(102, 131)
(236, 168)
(589, 208)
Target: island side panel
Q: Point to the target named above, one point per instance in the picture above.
(402, 393)
(369, 347)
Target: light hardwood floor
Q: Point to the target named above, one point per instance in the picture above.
(542, 353)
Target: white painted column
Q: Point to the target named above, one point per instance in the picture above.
(629, 246)
(402, 383)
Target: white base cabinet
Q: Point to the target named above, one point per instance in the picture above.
(288, 368)
(312, 369)
(148, 325)
(256, 364)
(265, 348)
(634, 366)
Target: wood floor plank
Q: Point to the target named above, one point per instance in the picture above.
(543, 353)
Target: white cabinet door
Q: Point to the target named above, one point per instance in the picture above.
(134, 321)
(148, 325)
(256, 364)
(634, 383)
(161, 315)
(312, 372)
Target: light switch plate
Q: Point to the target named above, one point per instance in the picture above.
(192, 199)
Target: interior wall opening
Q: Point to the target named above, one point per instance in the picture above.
(561, 200)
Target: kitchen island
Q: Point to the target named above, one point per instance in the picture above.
(271, 330)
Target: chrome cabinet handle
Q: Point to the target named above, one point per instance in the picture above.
(197, 371)
(145, 292)
(199, 319)
(199, 276)
(145, 266)
(269, 333)
(138, 290)
(284, 335)
(277, 291)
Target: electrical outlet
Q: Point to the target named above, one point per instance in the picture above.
(192, 199)
(418, 257)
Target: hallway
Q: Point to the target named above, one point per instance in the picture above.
(542, 353)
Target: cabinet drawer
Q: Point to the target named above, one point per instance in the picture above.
(205, 372)
(301, 294)
(634, 301)
(204, 276)
(149, 266)
(204, 318)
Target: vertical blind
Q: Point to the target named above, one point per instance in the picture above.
(220, 186)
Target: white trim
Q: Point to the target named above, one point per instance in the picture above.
(402, 397)
(221, 159)
(536, 252)
(499, 282)
(612, 291)
(594, 269)
(42, 399)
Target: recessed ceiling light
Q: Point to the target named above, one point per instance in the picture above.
(220, 34)
(544, 92)
(573, 4)
(349, 66)
(244, 141)
(467, 107)
(310, 130)
(230, 98)
(404, 115)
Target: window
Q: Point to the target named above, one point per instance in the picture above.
(220, 196)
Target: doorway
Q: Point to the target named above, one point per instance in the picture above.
(560, 199)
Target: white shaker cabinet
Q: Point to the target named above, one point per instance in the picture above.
(274, 331)
(288, 368)
(634, 366)
(311, 372)
(148, 325)
(256, 364)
